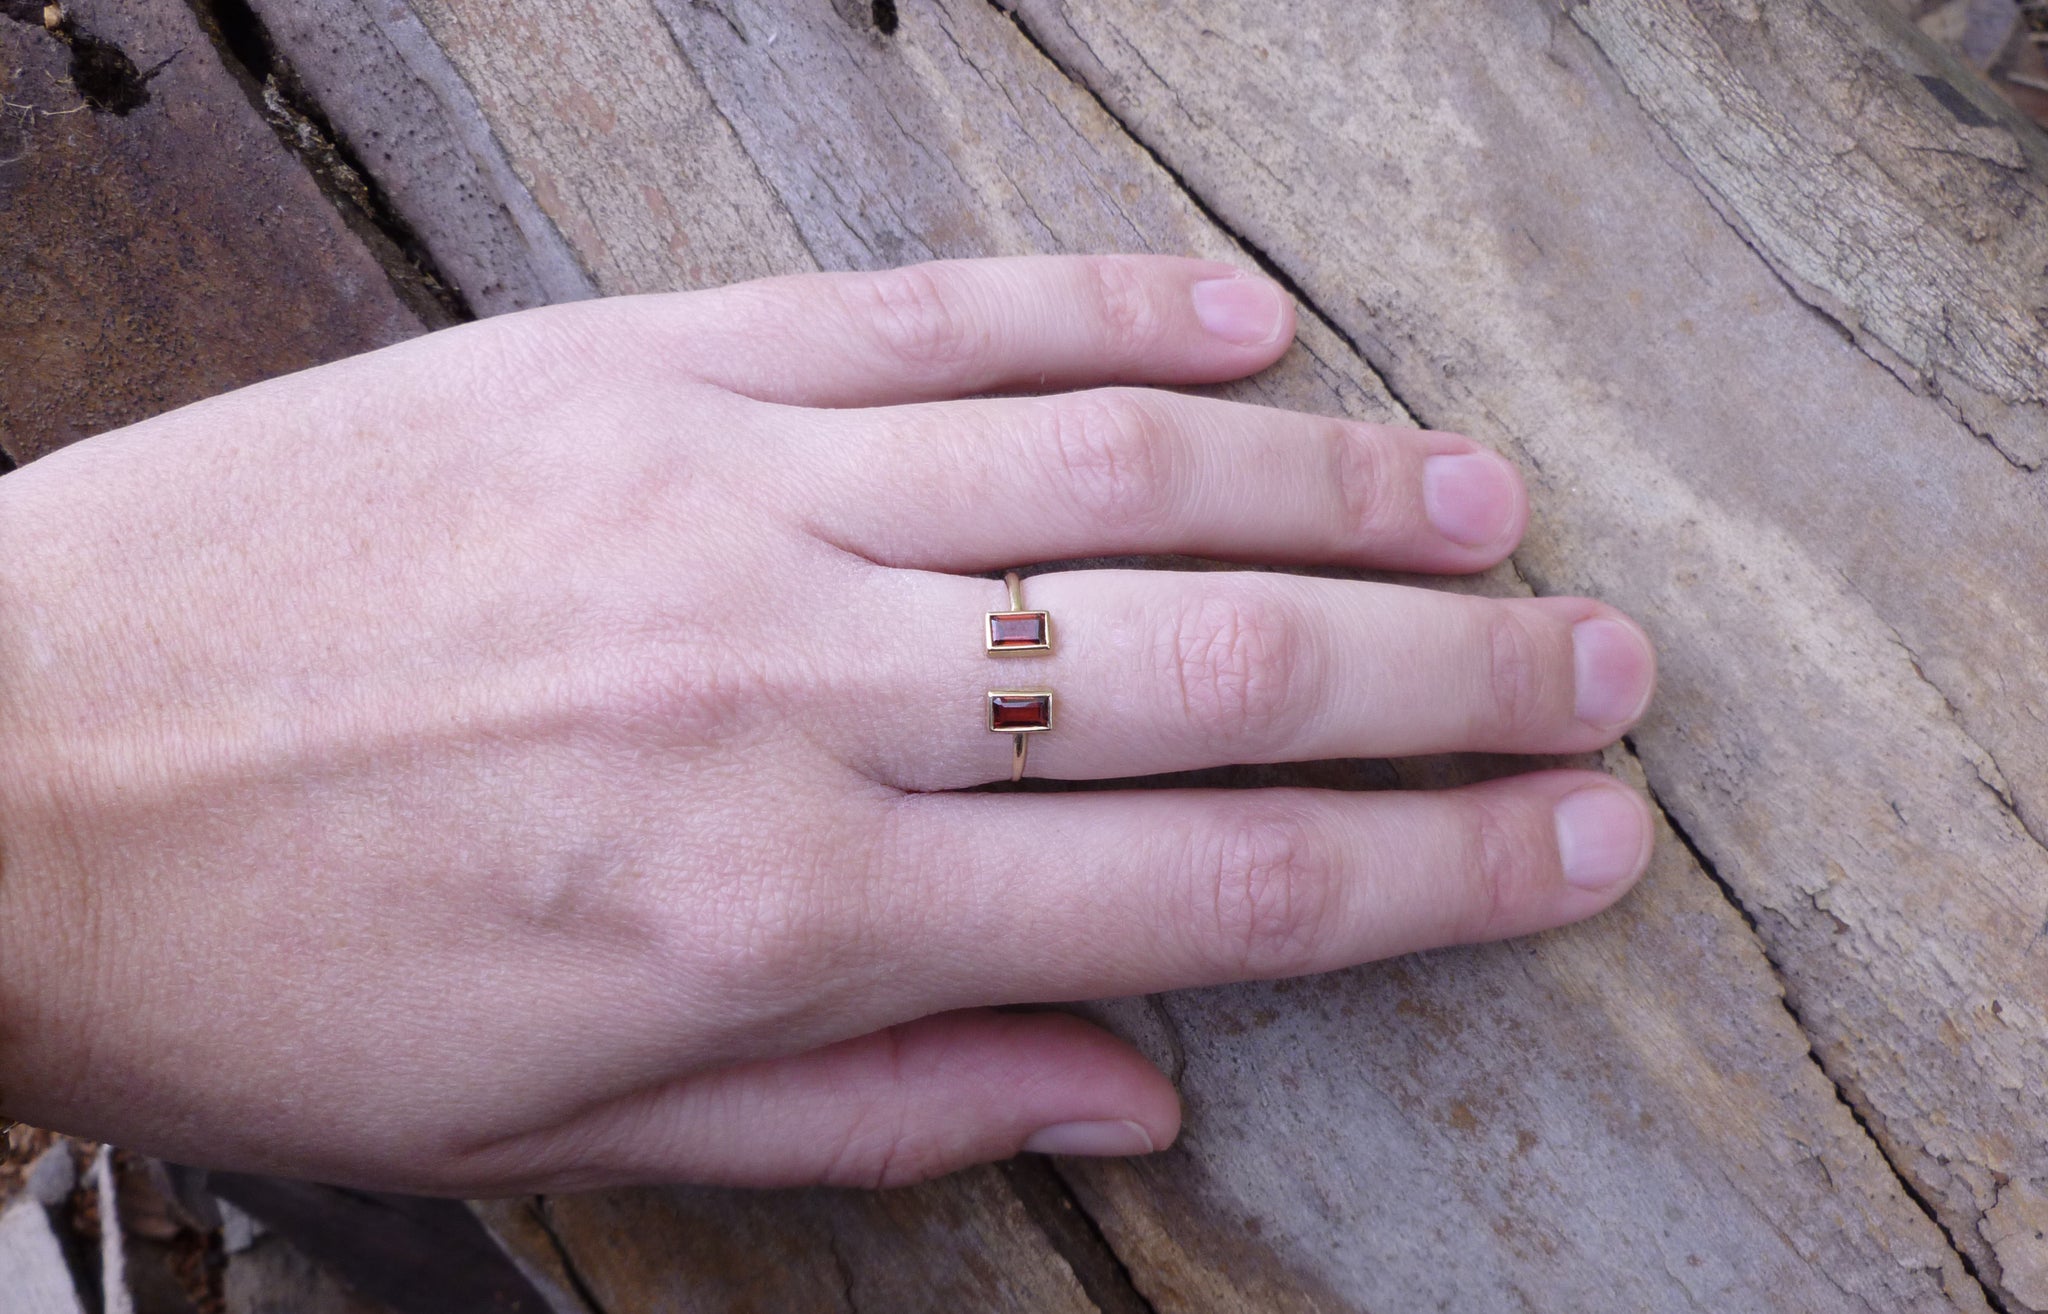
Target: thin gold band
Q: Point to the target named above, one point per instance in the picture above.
(1021, 743)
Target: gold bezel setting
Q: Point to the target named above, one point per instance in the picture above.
(996, 647)
(1041, 699)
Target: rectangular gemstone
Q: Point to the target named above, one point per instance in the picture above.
(1014, 710)
(1018, 631)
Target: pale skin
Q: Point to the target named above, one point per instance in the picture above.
(531, 757)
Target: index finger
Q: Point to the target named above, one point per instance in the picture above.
(953, 328)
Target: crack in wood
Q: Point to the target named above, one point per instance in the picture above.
(1919, 385)
(1843, 1092)
(1050, 1201)
(101, 72)
(578, 1284)
(246, 50)
(844, 1270)
(2001, 787)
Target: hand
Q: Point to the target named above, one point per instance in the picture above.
(524, 758)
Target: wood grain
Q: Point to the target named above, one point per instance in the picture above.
(961, 1243)
(131, 243)
(599, 115)
(1892, 190)
(395, 101)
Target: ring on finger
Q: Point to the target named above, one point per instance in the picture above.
(1019, 713)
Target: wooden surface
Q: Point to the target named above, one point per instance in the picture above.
(1757, 294)
(154, 257)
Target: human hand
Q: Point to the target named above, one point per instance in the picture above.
(524, 758)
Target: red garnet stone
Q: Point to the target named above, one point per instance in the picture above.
(1016, 630)
(1019, 711)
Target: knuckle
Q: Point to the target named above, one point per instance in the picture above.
(880, 1145)
(1499, 864)
(1269, 883)
(1241, 663)
(1359, 474)
(1116, 458)
(1127, 316)
(875, 1154)
(1518, 695)
(916, 316)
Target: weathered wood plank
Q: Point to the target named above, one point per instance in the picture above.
(616, 140)
(1845, 580)
(395, 100)
(1684, 1148)
(131, 243)
(1894, 191)
(962, 1243)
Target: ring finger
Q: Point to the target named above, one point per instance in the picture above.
(1157, 671)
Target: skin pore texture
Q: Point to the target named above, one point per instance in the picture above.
(532, 756)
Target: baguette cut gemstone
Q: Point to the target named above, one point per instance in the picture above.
(1016, 711)
(1018, 631)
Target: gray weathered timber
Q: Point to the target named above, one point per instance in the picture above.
(1845, 578)
(403, 111)
(960, 1243)
(1895, 192)
(628, 158)
(1619, 1116)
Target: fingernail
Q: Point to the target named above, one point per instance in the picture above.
(1242, 309)
(1602, 836)
(1611, 670)
(1470, 499)
(1093, 1139)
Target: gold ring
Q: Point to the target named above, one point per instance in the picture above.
(1019, 713)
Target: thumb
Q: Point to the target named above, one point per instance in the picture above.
(884, 1109)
